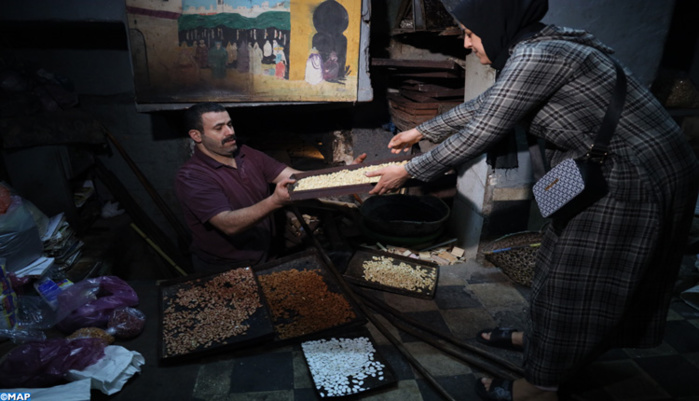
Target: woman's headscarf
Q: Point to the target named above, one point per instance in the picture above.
(499, 23)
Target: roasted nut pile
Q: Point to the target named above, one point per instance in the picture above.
(341, 366)
(342, 178)
(385, 271)
(92, 332)
(208, 312)
(301, 303)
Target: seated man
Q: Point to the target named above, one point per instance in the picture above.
(225, 194)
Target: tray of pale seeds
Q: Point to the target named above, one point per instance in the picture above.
(347, 365)
(212, 313)
(341, 180)
(393, 273)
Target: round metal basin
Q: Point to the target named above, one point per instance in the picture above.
(404, 215)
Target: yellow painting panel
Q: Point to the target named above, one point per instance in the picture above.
(316, 51)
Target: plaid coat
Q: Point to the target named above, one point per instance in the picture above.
(605, 280)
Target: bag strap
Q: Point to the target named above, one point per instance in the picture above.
(599, 149)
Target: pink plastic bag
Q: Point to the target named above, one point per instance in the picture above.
(45, 363)
(126, 323)
(111, 293)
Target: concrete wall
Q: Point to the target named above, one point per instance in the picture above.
(635, 29)
(104, 82)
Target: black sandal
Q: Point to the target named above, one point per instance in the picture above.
(500, 338)
(500, 390)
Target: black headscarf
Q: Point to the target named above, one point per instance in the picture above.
(499, 23)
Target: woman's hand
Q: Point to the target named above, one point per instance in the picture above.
(404, 140)
(392, 178)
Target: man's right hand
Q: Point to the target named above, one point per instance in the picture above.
(281, 195)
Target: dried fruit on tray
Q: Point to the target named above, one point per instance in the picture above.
(212, 312)
(393, 273)
(341, 180)
(342, 177)
(342, 366)
(301, 303)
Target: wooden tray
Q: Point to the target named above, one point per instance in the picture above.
(307, 261)
(384, 377)
(355, 273)
(259, 326)
(341, 190)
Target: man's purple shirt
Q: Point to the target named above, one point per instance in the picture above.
(206, 188)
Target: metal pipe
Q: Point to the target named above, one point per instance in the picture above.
(399, 346)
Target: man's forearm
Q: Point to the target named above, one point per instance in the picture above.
(236, 221)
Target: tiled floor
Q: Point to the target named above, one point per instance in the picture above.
(470, 297)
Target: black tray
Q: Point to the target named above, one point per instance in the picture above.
(260, 328)
(341, 190)
(370, 383)
(355, 273)
(311, 261)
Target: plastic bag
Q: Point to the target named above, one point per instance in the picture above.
(12, 313)
(19, 336)
(20, 242)
(126, 323)
(8, 300)
(34, 313)
(111, 293)
(46, 363)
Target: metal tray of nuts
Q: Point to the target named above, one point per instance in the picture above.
(343, 188)
(393, 273)
(304, 298)
(347, 365)
(212, 313)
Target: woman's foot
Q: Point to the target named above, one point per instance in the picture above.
(519, 390)
(502, 338)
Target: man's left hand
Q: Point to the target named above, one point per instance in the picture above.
(359, 159)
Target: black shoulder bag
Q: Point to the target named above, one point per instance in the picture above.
(575, 184)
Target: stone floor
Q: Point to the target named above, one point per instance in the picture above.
(470, 297)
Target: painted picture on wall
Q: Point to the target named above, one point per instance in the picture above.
(244, 50)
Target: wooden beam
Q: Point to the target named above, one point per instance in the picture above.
(417, 64)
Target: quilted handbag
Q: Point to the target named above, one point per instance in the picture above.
(569, 188)
(575, 184)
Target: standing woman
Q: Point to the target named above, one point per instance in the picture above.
(605, 278)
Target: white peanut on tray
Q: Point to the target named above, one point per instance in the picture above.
(342, 178)
(384, 271)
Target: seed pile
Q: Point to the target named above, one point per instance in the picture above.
(383, 270)
(342, 178)
(301, 303)
(209, 311)
(341, 366)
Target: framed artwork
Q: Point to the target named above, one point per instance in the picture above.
(246, 51)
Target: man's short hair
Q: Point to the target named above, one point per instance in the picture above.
(192, 116)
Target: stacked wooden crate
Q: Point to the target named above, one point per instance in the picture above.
(425, 89)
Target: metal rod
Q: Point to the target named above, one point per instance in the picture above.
(399, 346)
(182, 234)
(513, 371)
(431, 247)
(158, 250)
